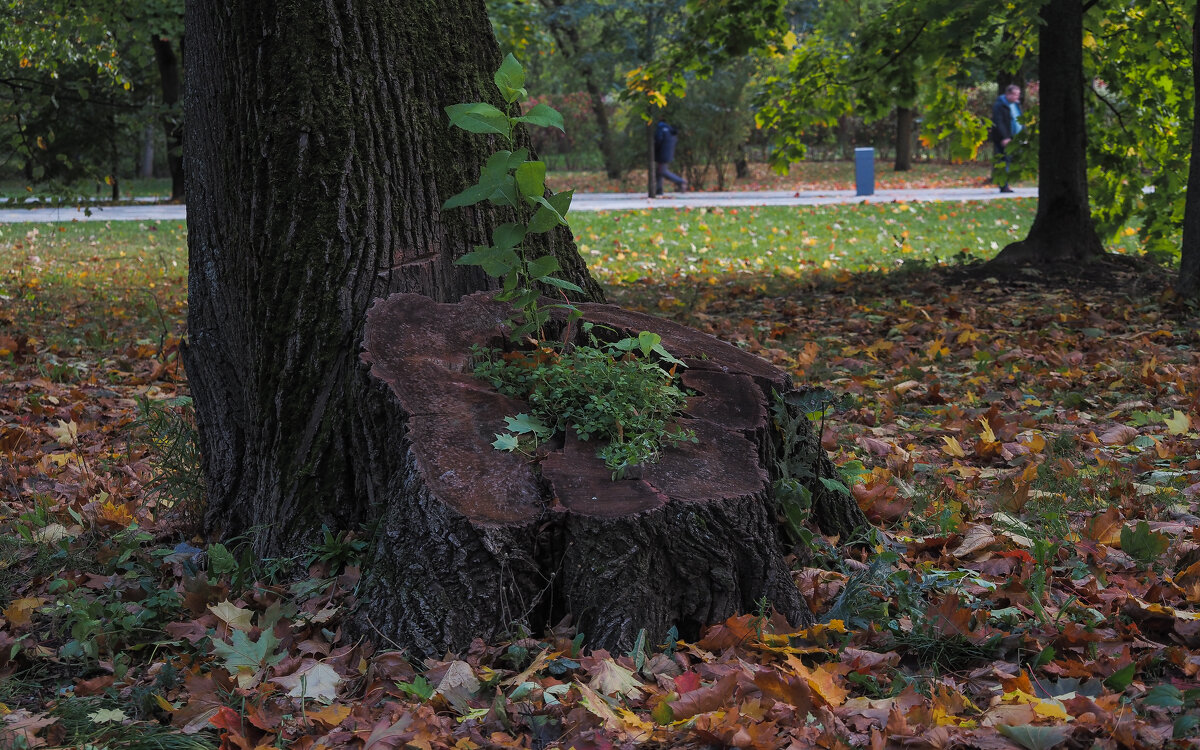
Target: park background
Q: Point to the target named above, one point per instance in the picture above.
(1025, 443)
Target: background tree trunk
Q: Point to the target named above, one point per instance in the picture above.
(318, 157)
(146, 163)
(845, 137)
(168, 73)
(904, 133)
(1062, 230)
(608, 147)
(567, 36)
(1188, 283)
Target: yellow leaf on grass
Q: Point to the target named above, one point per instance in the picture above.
(952, 448)
(613, 721)
(937, 348)
(986, 434)
(978, 536)
(1159, 609)
(52, 533)
(20, 612)
(64, 432)
(610, 678)
(60, 459)
(232, 615)
(312, 680)
(823, 681)
(1034, 441)
(1052, 709)
(330, 716)
(115, 513)
(1178, 423)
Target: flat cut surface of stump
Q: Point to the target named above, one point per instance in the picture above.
(690, 541)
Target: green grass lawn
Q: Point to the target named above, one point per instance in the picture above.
(131, 188)
(106, 280)
(712, 244)
(125, 265)
(93, 281)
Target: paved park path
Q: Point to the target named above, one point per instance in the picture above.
(582, 202)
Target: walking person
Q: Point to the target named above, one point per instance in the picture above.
(1006, 123)
(665, 137)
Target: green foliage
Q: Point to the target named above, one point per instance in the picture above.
(1142, 544)
(337, 549)
(615, 393)
(247, 657)
(910, 53)
(168, 429)
(109, 722)
(1122, 678)
(1140, 117)
(713, 34)
(602, 391)
(1139, 95)
(122, 618)
(715, 120)
(82, 85)
(510, 179)
(419, 688)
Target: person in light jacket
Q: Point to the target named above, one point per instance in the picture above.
(1006, 123)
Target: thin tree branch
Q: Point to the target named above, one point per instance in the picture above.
(1111, 107)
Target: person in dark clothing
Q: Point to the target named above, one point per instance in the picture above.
(665, 137)
(1006, 113)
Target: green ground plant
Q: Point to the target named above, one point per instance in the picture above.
(615, 392)
(168, 428)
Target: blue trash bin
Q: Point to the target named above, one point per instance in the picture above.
(864, 171)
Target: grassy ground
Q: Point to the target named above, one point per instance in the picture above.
(711, 244)
(1028, 454)
(16, 191)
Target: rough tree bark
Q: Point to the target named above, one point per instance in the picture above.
(1062, 230)
(1188, 283)
(168, 73)
(904, 133)
(317, 158)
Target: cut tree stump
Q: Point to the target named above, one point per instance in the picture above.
(476, 543)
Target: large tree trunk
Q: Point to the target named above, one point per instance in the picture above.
(904, 132)
(1062, 230)
(168, 73)
(318, 155)
(1188, 283)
